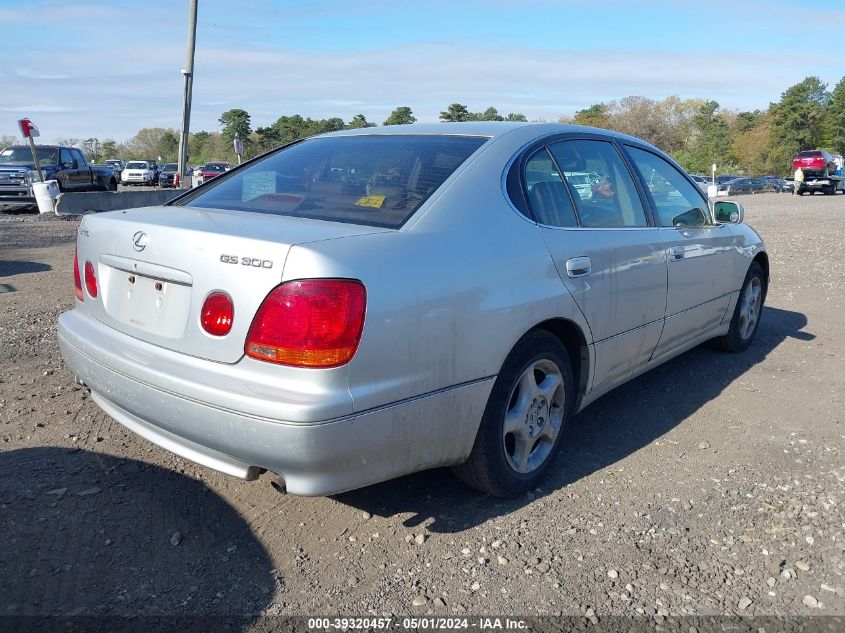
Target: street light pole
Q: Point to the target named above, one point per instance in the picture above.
(188, 73)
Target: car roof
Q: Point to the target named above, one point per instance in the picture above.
(492, 129)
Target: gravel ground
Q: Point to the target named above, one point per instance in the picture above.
(712, 485)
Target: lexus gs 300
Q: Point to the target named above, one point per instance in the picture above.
(369, 303)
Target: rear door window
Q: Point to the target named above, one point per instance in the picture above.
(547, 194)
(376, 180)
(603, 189)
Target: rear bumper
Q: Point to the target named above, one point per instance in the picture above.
(314, 458)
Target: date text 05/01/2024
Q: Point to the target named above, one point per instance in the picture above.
(417, 623)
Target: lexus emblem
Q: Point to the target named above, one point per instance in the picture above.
(139, 241)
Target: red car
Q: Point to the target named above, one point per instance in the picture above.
(815, 162)
(210, 170)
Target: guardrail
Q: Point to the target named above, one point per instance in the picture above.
(76, 203)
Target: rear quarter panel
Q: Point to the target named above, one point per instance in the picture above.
(450, 294)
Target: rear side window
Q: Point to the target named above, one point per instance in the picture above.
(678, 201)
(373, 180)
(546, 192)
(603, 190)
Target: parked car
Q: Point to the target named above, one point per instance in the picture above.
(140, 172)
(814, 163)
(583, 183)
(309, 315)
(775, 185)
(117, 165)
(702, 181)
(741, 185)
(66, 165)
(725, 178)
(213, 169)
(167, 176)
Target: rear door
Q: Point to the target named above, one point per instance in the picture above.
(607, 253)
(700, 252)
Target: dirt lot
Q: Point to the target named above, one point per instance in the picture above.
(715, 484)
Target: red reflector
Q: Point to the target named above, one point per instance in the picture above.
(90, 279)
(218, 313)
(310, 323)
(77, 278)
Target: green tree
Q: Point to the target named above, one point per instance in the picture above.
(109, 149)
(401, 116)
(709, 140)
(333, 124)
(455, 113)
(358, 121)
(798, 117)
(747, 120)
(516, 116)
(168, 146)
(835, 119)
(93, 148)
(594, 116)
(196, 146)
(236, 124)
(490, 114)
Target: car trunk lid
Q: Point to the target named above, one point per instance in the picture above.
(156, 266)
(813, 162)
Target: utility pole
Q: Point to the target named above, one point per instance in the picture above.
(188, 73)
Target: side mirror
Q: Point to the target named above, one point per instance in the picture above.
(74, 164)
(728, 212)
(693, 217)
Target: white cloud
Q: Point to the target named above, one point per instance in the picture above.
(119, 96)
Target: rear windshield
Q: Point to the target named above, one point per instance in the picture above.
(809, 154)
(136, 165)
(214, 167)
(374, 180)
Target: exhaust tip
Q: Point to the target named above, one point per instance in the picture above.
(279, 485)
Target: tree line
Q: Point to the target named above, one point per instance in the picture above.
(696, 132)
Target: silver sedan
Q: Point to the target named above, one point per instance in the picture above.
(374, 302)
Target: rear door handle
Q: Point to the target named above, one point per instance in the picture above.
(676, 252)
(578, 266)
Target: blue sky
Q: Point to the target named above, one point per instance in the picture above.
(107, 68)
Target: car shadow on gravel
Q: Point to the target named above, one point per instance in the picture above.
(9, 268)
(613, 427)
(88, 534)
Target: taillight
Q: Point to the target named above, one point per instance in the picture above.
(218, 313)
(90, 280)
(77, 278)
(309, 323)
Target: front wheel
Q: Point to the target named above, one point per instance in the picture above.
(749, 309)
(520, 430)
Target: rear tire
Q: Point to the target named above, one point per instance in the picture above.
(530, 404)
(747, 313)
